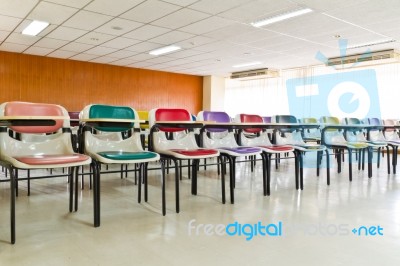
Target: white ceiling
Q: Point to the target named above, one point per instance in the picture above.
(214, 34)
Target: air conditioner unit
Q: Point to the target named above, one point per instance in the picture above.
(365, 59)
(255, 74)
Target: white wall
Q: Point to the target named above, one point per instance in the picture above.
(213, 93)
(372, 91)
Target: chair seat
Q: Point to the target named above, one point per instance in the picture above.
(52, 159)
(242, 150)
(358, 145)
(278, 148)
(195, 152)
(394, 142)
(121, 155)
(311, 146)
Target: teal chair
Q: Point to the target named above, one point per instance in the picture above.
(103, 142)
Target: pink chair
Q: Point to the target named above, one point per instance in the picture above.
(53, 152)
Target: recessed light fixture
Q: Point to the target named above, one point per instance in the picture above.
(370, 43)
(281, 17)
(35, 27)
(247, 64)
(164, 50)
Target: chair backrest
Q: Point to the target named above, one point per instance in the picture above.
(330, 120)
(375, 121)
(267, 119)
(352, 121)
(220, 117)
(74, 116)
(35, 109)
(390, 122)
(249, 118)
(143, 115)
(285, 119)
(169, 114)
(111, 112)
(309, 120)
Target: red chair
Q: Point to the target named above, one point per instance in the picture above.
(259, 138)
(175, 143)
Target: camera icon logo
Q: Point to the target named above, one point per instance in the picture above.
(342, 94)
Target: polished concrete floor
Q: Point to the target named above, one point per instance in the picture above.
(309, 227)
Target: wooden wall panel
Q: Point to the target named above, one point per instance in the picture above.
(75, 84)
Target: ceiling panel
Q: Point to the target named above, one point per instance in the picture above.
(185, 53)
(119, 26)
(207, 25)
(100, 50)
(62, 54)
(143, 47)
(120, 43)
(112, 8)
(86, 20)
(150, 10)
(104, 59)
(77, 47)
(180, 18)
(3, 35)
(9, 23)
(322, 6)
(146, 32)
(141, 64)
(57, 15)
(215, 7)
(181, 2)
(71, 3)
(141, 57)
(38, 50)
(22, 39)
(172, 37)
(383, 10)
(258, 9)
(84, 57)
(95, 38)
(17, 8)
(122, 54)
(13, 47)
(123, 62)
(67, 34)
(50, 43)
(194, 42)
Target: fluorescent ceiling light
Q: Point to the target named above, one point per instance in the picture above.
(35, 27)
(281, 17)
(247, 64)
(370, 44)
(165, 50)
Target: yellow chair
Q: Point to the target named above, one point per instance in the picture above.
(144, 127)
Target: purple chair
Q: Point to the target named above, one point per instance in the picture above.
(267, 119)
(224, 141)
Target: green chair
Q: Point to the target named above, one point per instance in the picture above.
(112, 150)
